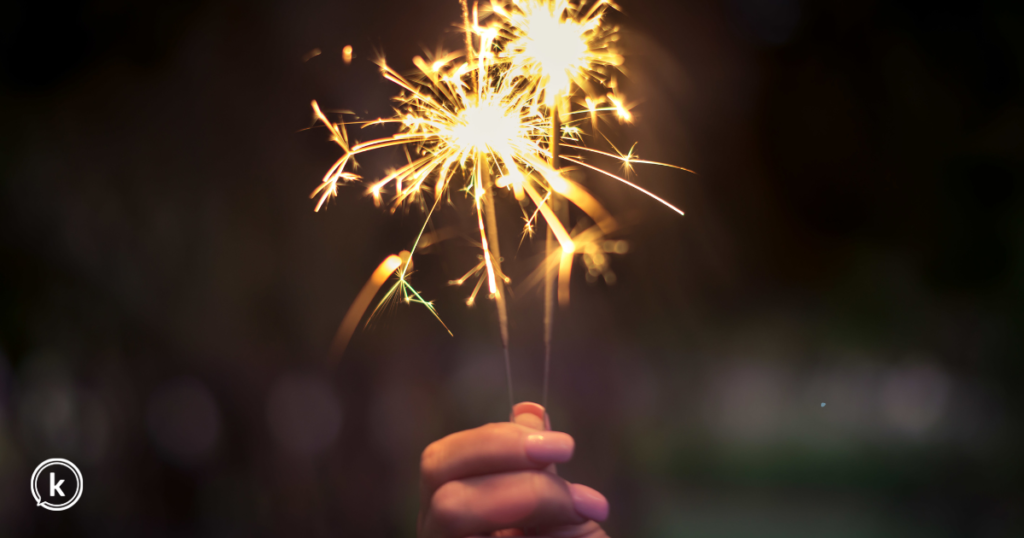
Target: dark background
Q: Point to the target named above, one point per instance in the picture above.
(854, 237)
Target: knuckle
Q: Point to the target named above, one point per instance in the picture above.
(540, 485)
(430, 458)
(493, 428)
(447, 504)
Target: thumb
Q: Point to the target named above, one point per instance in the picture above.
(530, 415)
(588, 502)
(534, 416)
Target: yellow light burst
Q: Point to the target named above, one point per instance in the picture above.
(486, 117)
(558, 43)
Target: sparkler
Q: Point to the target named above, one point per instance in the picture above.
(492, 116)
(555, 44)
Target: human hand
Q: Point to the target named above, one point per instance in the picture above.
(499, 480)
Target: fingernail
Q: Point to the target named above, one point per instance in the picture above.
(529, 414)
(588, 502)
(549, 447)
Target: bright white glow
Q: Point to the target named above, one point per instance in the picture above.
(557, 47)
(486, 127)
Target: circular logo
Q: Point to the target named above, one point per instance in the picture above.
(56, 484)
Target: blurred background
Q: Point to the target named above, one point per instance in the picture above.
(828, 344)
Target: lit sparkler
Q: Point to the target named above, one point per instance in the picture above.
(494, 112)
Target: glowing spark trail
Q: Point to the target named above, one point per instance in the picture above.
(498, 117)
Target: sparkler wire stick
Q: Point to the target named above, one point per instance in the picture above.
(549, 309)
(549, 248)
(484, 181)
(499, 293)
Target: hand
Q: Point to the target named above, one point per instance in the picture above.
(499, 480)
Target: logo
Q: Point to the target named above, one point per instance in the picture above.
(56, 484)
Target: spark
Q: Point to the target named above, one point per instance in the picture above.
(310, 55)
(621, 108)
(488, 122)
(558, 43)
(380, 275)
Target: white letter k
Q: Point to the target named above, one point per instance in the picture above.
(55, 487)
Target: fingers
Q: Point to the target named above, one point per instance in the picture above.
(589, 502)
(589, 529)
(523, 500)
(493, 448)
(492, 479)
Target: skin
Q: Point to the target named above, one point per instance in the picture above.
(500, 480)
